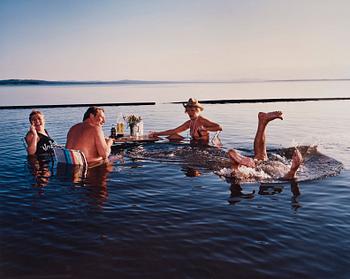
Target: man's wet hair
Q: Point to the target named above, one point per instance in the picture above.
(92, 110)
(33, 113)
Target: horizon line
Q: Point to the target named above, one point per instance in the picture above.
(23, 82)
(219, 101)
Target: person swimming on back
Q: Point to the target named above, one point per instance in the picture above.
(275, 169)
(198, 125)
(37, 138)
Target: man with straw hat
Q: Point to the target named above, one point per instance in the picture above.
(198, 125)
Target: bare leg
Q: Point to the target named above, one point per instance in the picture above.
(260, 141)
(238, 159)
(297, 159)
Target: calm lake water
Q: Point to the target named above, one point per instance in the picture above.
(156, 219)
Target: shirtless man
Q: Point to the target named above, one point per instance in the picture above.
(198, 125)
(88, 136)
(260, 151)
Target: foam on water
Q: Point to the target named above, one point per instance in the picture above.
(315, 166)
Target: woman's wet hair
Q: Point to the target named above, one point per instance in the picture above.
(34, 113)
(92, 110)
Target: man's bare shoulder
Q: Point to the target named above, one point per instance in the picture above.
(84, 127)
(76, 126)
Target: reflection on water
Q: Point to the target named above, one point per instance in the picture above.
(237, 194)
(41, 169)
(71, 173)
(191, 171)
(94, 179)
(294, 188)
(96, 182)
(270, 189)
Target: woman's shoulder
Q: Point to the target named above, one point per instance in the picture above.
(202, 119)
(29, 135)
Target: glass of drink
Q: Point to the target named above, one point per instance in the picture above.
(120, 129)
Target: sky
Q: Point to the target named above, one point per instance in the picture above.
(213, 40)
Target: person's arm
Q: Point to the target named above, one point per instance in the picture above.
(211, 126)
(69, 139)
(32, 140)
(170, 132)
(103, 145)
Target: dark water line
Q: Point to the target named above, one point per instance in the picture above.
(250, 101)
(79, 105)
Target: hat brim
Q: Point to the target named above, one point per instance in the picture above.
(194, 106)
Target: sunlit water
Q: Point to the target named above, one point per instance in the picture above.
(171, 219)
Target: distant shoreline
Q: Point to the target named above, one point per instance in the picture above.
(37, 82)
(227, 101)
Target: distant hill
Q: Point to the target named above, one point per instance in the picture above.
(28, 82)
(16, 82)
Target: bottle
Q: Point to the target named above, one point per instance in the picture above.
(120, 126)
(113, 132)
(140, 129)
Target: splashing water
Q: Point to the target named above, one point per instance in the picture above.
(315, 166)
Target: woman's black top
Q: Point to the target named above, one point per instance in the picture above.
(44, 145)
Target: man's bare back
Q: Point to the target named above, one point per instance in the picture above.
(88, 137)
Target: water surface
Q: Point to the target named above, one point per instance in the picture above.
(164, 93)
(157, 219)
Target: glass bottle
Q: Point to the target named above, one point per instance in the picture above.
(120, 126)
(113, 132)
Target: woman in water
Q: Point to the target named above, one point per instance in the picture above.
(198, 125)
(38, 140)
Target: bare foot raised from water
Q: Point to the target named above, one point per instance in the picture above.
(268, 116)
(297, 160)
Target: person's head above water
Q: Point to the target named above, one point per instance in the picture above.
(92, 110)
(193, 103)
(193, 108)
(95, 114)
(33, 115)
(36, 118)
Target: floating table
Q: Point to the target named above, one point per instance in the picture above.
(134, 139)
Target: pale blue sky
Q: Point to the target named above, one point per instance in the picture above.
(174, 40)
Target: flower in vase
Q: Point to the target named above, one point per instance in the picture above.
(132, 119)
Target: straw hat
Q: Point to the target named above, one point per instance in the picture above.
(193, 103)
